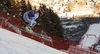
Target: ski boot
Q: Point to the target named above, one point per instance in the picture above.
(28, 29)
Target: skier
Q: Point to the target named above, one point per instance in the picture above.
(30, 17)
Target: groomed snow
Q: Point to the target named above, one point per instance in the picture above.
(12, 43)
(93, 34)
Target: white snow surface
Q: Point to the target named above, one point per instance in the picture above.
(12, 43)
(93, 35)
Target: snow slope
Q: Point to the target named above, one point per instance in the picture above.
(12, 43)
(91, 36)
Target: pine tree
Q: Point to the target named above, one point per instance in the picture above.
(6, 3)
(13, 2)
(50, 22)
(29, 7)
(23, 8)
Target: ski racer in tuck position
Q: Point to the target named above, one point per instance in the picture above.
(31, 16)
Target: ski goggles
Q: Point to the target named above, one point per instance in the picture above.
(41, 11)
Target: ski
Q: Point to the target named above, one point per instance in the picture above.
(34, 33)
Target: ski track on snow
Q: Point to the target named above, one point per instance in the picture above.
(12, 43)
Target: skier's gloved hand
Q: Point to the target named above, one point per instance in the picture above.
(34, 18)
